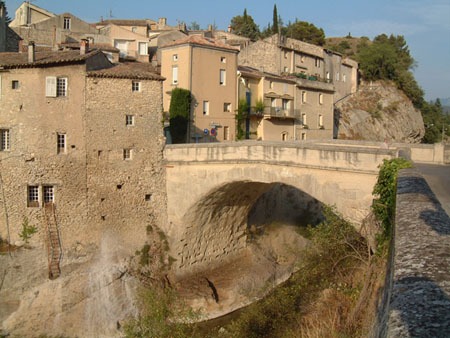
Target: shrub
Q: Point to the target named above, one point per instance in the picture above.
(180, 107)
(27, 230)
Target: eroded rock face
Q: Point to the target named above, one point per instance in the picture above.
(377, 112)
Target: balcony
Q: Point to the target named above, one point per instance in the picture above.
(277, 112)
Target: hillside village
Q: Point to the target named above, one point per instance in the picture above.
(81, 132)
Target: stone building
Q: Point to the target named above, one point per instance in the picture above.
(322, 78)
(9, 40)
(28, 13)
(81, 149)
(208, 69)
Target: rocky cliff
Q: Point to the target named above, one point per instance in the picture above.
(378, 111)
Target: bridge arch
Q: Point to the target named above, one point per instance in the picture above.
(205, 182)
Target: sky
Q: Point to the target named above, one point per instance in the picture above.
(425, 24)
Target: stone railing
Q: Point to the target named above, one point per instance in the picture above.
(417, 292)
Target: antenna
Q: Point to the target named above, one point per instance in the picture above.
(111, 14)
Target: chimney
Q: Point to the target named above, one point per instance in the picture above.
(229, 29)
(210, 28)
(31, 52)
(84, 46)
(162, 22)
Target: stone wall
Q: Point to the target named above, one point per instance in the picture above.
(416, 300)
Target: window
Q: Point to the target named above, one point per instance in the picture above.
(303, 136)
(4, 140)
(135, 86)
(320, 121)
(61, 143)
(304, 119)
(48, 194)
(174, 75)
(205, 107)
(303, 96)
(127, 154)
(285, 104)
(284, 136)
(227, 107)
(33, 196)
(134, 29)
(271, 84)
(328, 76)
(143, 48)
(175, 57)
(223, 59)
(61, 86)
(317, 62)
(223, 77)
(67, 22)
(344, 78)
(320, 98)
(129, 120)
(15, 84)
(286, 69)
(226, 133)
(273, 102)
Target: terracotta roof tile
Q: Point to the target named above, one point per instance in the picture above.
(201, 41)
(44, 58)
(132, 70)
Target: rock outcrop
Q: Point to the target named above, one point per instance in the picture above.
(379, 111)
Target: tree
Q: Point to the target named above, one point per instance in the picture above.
(245, 26)
(275, 20)
(305, 31)
(194, 26)
(180, 107)
(7, 18)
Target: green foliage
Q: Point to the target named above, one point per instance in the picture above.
(144, 255)
(161, 314)
(241, 115)
(245, 26)
(305, 31)
(7, 18)
(386, 190)
(194, 26)
(180, 107)
(27, 230)
(275, 20)
(388, 58)
(434, 120)
(259, 106)
(337, 250)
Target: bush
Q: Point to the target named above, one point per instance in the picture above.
(180, 107)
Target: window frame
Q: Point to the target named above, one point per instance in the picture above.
(61, 86)
(223, 77)
(141, 43)
(129, 120)
(67, 23)
(5, 139)
(61, 143)
(127, 154)
(33, 196)
(48, 194)
(227, 107)
(15, 84)
(205, 108)
(175, 75)
(135, 86)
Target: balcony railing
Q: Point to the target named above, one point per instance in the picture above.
(276, 112)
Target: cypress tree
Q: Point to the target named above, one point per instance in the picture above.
(275, 20)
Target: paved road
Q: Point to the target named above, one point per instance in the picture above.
(438, 178)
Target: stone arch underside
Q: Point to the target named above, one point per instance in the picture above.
(218, 224)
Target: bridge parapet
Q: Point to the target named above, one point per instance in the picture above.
(333, 156)
(417, 292)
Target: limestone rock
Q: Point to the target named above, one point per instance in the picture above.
(379, 111)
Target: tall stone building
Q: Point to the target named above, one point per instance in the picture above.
(81, 149)
(208, 69)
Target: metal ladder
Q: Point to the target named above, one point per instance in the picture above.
(54, 248)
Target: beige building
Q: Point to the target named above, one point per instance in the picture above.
(322, 78)
(28, 13)
(81, 143)
(208, 69)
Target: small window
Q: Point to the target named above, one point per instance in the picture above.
(127, 154)
(4, 140)
(227, 107)
(143, 48)
(223, 76)
(61, 86)
(175, 57)
(303, 96)
(320, 98)
(15, 84)
(67, 22)
(328, 75)
(286, 69)
(304, 119)
(226, 133)
(33, 196)
(317, 62)
(61, 143)
(129, 120)
(273, 102)
(344, 78)
(223, 59)
(49, 194)
(284, 136)
(205, 107)
(135, 86)
(271, 84)
(174, 75)
(320, 121)
(302, 58)
(303, 136)
(285, 104)
(134, 29)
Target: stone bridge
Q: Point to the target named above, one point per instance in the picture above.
(211, 188)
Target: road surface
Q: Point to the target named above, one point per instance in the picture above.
(438, 178)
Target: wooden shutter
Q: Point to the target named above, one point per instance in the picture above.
(50, 86)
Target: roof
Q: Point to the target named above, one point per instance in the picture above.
(102, 46)
(44, 58)
(257, 74)
(126, 22)
(131, 70)
(202, 42)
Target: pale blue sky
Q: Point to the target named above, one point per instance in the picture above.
(425, 24)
